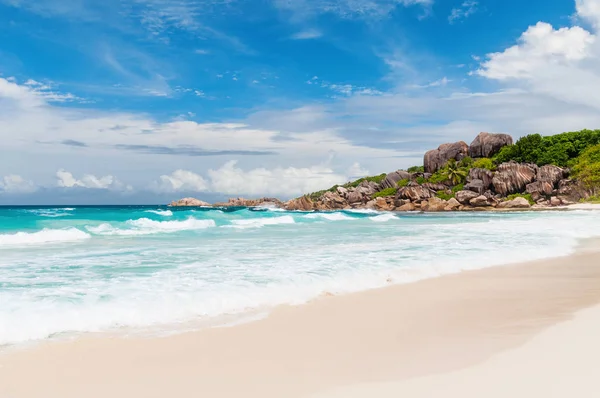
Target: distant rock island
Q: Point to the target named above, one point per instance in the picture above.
(491, 173)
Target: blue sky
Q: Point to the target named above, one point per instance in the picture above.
(142, 101)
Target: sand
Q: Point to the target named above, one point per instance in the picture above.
(526, 330)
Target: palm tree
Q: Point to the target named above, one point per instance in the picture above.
(456, 175)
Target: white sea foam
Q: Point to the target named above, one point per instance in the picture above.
(329, 216)
(43, 236)
(384, 217)
(363, 211)
(170, 284)
(145, 226)
(165, 213)
(261, 222)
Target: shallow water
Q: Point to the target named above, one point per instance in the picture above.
(88, 269)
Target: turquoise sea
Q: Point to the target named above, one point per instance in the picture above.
(71, 270)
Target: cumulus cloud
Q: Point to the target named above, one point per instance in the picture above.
(66, 179)
(280, 181)
(15, 184)
(183, 181)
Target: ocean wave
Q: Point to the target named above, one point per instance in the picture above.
(363, 211)
(145, 226)
(261, 222)
(164, 213)
(43, 236)
(58, 212)
(383, 217)
(329, 216)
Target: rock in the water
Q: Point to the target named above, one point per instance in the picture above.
(476, 186)
(513, 177)
(242, 202)
(452, 204)
(479, 201)
(303, 203)
(540, 187)
(383, 204)
(189, 202)
(434, 204)
(391, 180)
(465, 197)
(486, 145)
(414, 193)
(516, 203)
(551, 173)
(437, 158)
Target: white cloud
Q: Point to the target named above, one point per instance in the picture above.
(563, 64)
(540, 47)
(202, 51)
(307, 34)
(467, 8)
(280, 181)
(589, 10)
(183, 181)
(16, 184)
(199, 93)
(67, 180)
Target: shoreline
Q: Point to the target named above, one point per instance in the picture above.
(388, 334)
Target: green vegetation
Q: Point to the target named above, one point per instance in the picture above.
(484, 163)
(519, 195)
(457, 188)
(375, 179)
(586, 169)
(385, 192)
(420, 180)
(403, 183)
(416, 169)
(559, 149)
(444, 195)
(592, 199)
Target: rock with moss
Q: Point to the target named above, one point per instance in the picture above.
(437, 158)
(486, 145)
(391, 180)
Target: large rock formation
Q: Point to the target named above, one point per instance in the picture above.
(302, 203)
(189, 202)
(486, 145)
(391, 180)
(552, 174)
(540, 188)
(437, 158)
(513, 178)
(415, 193)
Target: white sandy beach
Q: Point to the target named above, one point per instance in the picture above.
(505, 331)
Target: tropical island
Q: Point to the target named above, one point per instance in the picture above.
(493, 172)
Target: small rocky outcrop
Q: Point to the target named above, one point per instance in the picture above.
(486, 145)
(437, 158)
(391, 180)
(243, 202)
(189, 202)
(464, 197)
(407, 207)
(452, 205)
(480, 201)
(476, 186)
(513, 178)
(332, 201)
(516, 203)
(434, 204)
